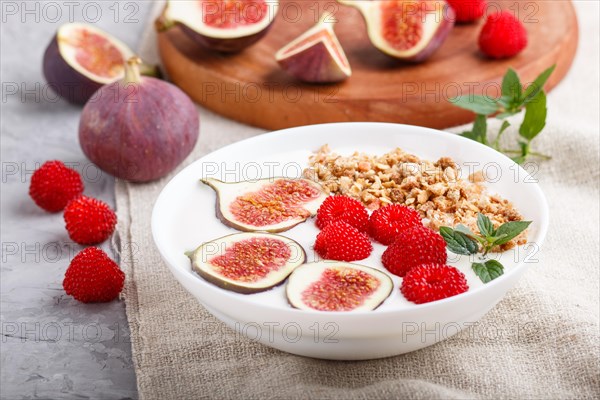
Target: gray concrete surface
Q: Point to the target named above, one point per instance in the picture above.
(52, 346)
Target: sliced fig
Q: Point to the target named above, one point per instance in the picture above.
(223, 25)
(316, 55)
(81, 58)
(410, 30)
(247, 262)
(337, 286)
(269, 205)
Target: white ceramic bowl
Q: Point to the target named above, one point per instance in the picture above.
(184, 217)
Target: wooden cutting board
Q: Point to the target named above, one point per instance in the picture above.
(251, 88)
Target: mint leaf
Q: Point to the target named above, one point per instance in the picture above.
(507, 114)
(485, 225)
(488, 271)
(511, 88)
(524, 147)
(537, 85)
(514, 98)
(505, 124)
(524, 150)
(494, 239)
(505, 101)
(471, 135)
(511, 230)
(496, 144)
(480, 127)
(479, 132)
(465, 229)
(518, 159)
(535, 117)
(458, 242)
(478, 104)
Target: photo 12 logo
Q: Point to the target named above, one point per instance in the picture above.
(89, 12)
(63, 331)
(251, 171)
(289, 332)
(14, 171)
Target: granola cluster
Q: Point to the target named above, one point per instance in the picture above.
(435, 189)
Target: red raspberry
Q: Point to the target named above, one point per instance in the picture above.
(89, 221)
(388, 222)
(343, 208)
(431, 282)
(53, 185)
(415, 246)
(502, 36)
(320, 245)
(467, 10)
(93, 277)
(343, 242)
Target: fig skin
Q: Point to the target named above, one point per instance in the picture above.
(138, 129)
(374, 30)
(72, 85)
(308, 66)
(233, 286)
(216, 185)
(318, 264)
(233, 224)
(237, 288)
(229, 45)
(315, 63)
(67, 82)
(440, 36)
(220, 44)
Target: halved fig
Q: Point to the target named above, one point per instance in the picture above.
(269, 205)
(224, 25)
(316, 55)
(410, 30)
(81, 58)
(247, 262)
(337, 286)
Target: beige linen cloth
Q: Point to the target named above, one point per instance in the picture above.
(541, 341)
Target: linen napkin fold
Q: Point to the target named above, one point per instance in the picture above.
(541, 341)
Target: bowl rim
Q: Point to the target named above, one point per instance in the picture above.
(538, 239)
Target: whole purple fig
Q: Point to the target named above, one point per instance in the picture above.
(139, 128)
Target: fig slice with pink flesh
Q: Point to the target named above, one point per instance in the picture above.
(337, 286)
(268, 205)
(317, 55)
(247, 262)
(409, 30)
(228, 26)
(82, 58)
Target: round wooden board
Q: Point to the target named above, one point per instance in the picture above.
(251, 88)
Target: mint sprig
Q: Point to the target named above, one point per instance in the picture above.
(458, 242)
(485, 225)
(488, 271)
(461, 240)
(513, 100)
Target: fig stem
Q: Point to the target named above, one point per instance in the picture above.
(132, 70)
(163, 23)
(150, 70)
